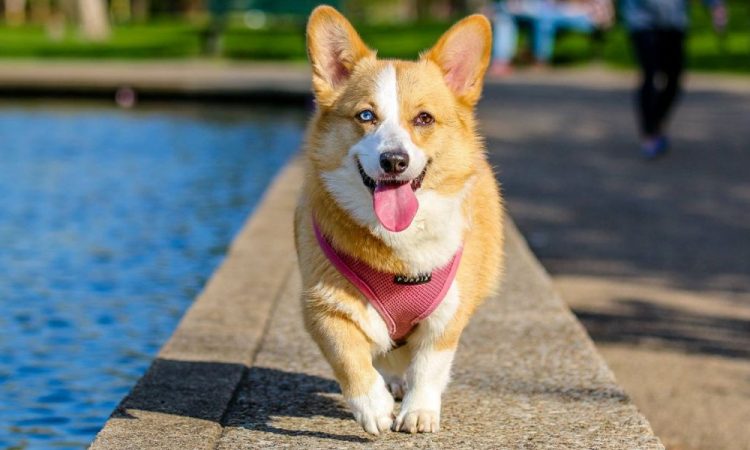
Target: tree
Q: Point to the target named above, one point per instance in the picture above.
(140, 10)
(40, 11)
(15, 12)
(94, 20)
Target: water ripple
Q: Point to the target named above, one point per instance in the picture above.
(111, 221)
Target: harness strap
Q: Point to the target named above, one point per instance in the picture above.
(401, 305)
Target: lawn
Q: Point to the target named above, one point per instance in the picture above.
(706, 50)
(392, 41)
(155, 40)
(171, 39)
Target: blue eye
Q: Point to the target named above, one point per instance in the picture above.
(366, 116)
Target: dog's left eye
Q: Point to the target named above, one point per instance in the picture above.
(366, 116)
(423, 119)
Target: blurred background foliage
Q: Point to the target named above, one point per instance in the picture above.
(274, 30)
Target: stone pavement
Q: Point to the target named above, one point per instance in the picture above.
(653, 258)
(240, 371)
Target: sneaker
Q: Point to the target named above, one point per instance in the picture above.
(655, 148)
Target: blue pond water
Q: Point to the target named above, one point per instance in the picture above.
(110, 223)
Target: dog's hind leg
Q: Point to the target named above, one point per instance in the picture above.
(392, 366)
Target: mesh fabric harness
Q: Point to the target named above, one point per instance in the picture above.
(401, 306)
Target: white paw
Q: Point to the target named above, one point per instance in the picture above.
(374, 411)
(420, 420)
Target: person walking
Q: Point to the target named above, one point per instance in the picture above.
(657, 30)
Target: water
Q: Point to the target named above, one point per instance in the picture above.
(110, 223)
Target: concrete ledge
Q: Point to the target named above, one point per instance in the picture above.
(199, 79)
(240, 81)
(240, 372)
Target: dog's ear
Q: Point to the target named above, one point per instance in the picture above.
(463, 54)
(334, 47)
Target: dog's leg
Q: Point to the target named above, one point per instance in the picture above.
(432, 346)
(427, 377)
(348, 351)
(392, 366)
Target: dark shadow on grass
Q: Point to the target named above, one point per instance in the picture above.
(233, 395)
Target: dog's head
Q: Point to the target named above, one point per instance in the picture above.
(388, 132)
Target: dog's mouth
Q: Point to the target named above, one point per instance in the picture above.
(371, 183)
(393, 200)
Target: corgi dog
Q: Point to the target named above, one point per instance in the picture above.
(398, 228)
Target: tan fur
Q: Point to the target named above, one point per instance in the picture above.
(331, 304)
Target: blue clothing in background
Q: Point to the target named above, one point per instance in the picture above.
(545, 18)
(657, 14)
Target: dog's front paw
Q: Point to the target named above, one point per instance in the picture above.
(374, 411)
(420, 420)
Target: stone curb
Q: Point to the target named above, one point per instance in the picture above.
(236, 81)
(215, 80)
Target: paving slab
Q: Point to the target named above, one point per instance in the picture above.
(653, 257)
(525, 376)
(240, 371)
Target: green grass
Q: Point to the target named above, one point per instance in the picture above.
(392, 41)
(173, 39)
(706, 51)
(182, 40)
(159, 40)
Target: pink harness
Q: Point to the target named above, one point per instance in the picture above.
(402, 301)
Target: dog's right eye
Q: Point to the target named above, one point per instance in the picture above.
(366, 116)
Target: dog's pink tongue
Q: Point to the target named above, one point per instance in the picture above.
(395, 205)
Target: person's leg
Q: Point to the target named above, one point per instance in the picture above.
(552, 19)
(672, 62)
(543, 29)
(647, 51)
(647, 54)
(505, 42)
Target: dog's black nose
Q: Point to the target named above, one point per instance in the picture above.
(394, 162)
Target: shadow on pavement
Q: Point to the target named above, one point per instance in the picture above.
(183, 388)
(205, 390)
(574, 182)
(265, 394)
(589, 206)
(638, 321)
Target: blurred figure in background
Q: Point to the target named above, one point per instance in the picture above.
(546, 18)
(657, 30)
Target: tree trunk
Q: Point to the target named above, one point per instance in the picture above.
(120, 11)
(93, 19)
(422, 10)
(15, 12)
(40, 11)
(141, 9)
(459, 8)
(195, 9)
